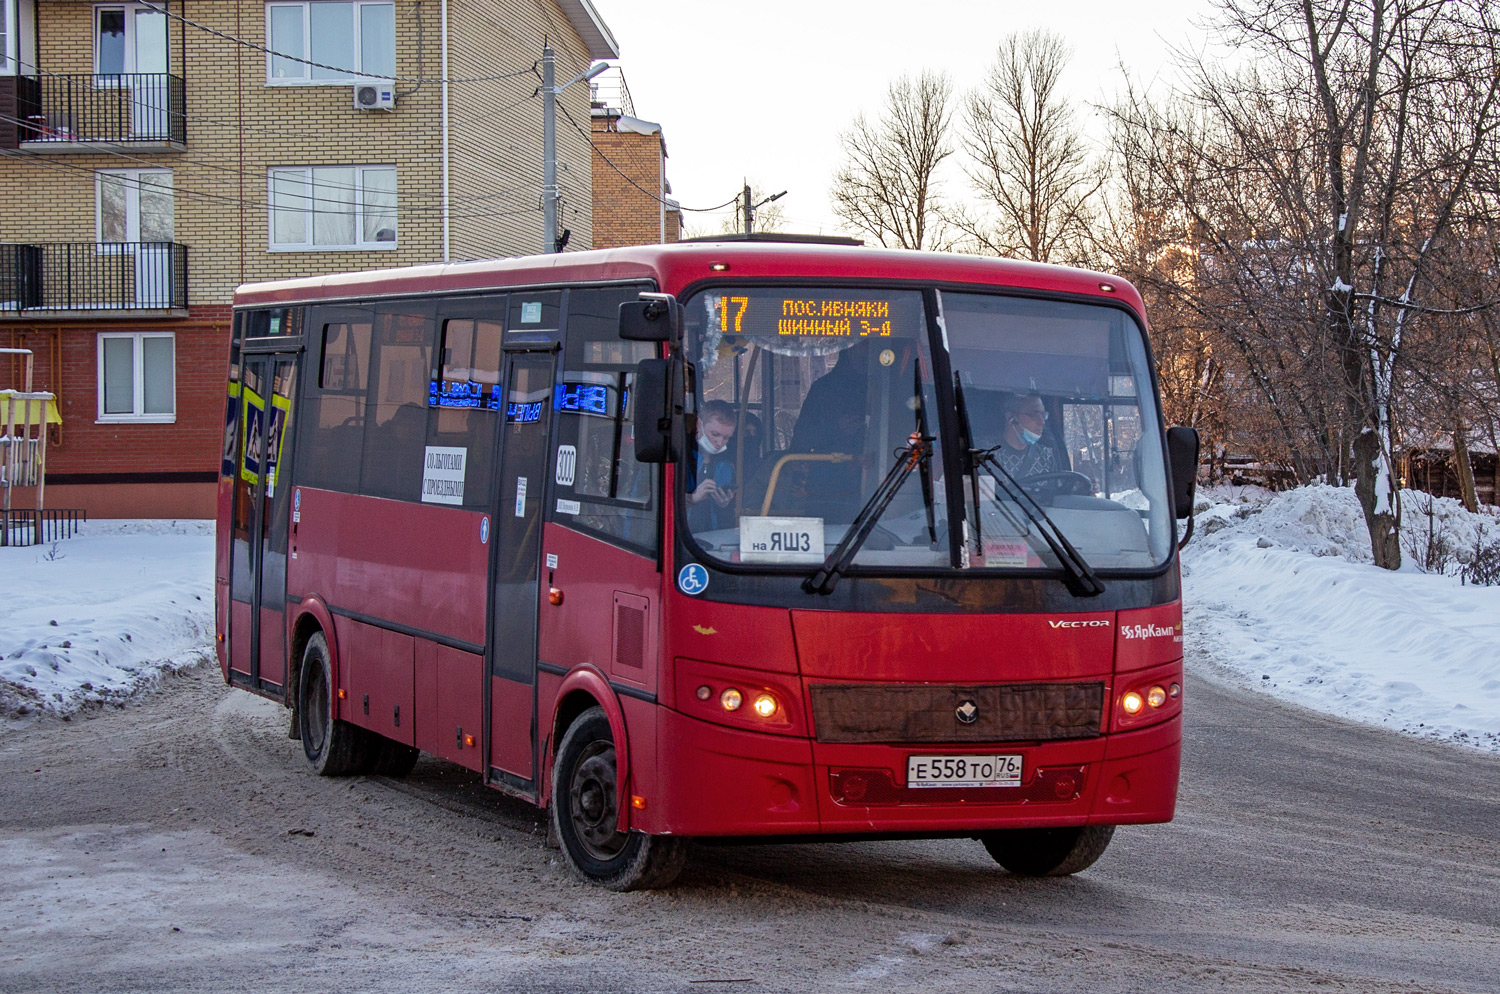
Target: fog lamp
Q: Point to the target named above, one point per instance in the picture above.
(1132, 703)
(1156, 697)
(765, 705)
(731, 699)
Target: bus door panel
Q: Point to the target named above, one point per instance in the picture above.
(261, 518)
(524, 447)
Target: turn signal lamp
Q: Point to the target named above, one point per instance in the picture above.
(765, 705)
(343, 694)
(1132, 703)
(718, 267)
(705, 692)
(731, 699)
(1156, 697)
(1174, 690)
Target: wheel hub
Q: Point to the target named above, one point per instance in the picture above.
(591, 796)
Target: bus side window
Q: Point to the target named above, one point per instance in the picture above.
(335, 407)
(465, 397)
(596, 470)
(396, 422)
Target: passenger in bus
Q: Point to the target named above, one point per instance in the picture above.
(1023, 451)
(832, 421)
(710, 472)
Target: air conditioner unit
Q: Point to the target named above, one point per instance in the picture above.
(375, 95)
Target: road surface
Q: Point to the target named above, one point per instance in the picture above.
(178, 844)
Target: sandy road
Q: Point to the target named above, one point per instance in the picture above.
(179, 845)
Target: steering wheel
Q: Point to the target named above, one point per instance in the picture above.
(1057, 484)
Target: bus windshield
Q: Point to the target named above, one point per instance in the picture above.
(808, 396)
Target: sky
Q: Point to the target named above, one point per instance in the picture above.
(761, 91)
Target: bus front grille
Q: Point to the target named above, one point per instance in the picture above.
(924, 712)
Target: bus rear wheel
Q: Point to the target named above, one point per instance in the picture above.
(585, 815)
(1048, 852)
(333, 748)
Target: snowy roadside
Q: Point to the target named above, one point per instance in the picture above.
(1280, 595)
(95, 618)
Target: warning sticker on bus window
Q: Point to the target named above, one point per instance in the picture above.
(1009, 552)
(781, 540)
(443, 474)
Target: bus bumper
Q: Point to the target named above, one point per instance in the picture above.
(717, 781)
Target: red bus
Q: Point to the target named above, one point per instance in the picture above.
(718, 540)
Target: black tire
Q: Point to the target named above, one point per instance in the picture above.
(1048, 852)
(390, 758)
(333, 748)
(585, 815)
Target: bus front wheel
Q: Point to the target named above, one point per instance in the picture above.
(1048, 852)
(585, 814)
(333, 748)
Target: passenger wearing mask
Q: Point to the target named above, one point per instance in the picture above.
(710, 474)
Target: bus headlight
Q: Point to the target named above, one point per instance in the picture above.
(765, 705)
(731, 699)
(1156, 697)
(1132, 703)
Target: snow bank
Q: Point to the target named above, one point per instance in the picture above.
(93, 618)
(1279, 593)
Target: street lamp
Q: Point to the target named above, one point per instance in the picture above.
(550, 194)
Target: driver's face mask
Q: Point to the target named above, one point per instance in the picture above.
(1028, 436)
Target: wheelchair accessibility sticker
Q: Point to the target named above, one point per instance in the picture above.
(692, 579)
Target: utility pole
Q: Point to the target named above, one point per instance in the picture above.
(551, 195)
(749, 206)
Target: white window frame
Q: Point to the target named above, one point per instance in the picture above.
(10, 51)
(101, 79)
(138, 377)
(307, 245)
(306, 79)
(131, 178)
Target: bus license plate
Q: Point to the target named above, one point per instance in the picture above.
(963, 771)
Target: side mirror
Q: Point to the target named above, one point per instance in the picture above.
(655, 318)
(1182, 458)
(652, 398)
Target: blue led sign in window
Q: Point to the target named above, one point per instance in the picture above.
(582, 398)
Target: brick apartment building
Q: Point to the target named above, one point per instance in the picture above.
(155, 155)
(632, 202)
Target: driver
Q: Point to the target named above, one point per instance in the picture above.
(1021, 451)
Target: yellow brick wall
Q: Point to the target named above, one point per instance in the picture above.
(496, 143)
(238, 127)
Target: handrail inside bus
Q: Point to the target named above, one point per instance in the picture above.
(765, 505)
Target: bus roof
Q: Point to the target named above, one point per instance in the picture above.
(675, 266)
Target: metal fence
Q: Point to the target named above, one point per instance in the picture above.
(111, 107)
(71, 276)
(23, 527)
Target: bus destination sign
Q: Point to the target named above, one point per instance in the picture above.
(845, 315)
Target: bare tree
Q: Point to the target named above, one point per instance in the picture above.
(1325, 181)
(888, 184)
(1030, 162)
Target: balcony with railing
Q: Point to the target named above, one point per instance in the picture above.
(80, 113)
(92, 277)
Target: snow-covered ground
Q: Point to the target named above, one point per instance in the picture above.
(1279, 593)
(96, 617)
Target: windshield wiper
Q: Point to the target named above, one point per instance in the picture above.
(917, 451)
(1081, 580)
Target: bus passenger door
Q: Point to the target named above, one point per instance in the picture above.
(261, 517)
(516, 546)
